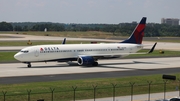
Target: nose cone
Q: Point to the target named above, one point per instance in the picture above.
(17, 56)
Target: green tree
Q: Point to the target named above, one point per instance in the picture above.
(17, 28)
(4, 26)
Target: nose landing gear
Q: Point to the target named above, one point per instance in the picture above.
(28, 64)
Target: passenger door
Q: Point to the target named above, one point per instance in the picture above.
(36, 53)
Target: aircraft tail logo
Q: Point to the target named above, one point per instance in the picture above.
(138, 33)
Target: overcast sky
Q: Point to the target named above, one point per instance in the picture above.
(88, 11)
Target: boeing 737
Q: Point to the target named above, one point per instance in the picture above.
(85, 54)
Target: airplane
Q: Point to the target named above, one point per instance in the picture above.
(85, 54)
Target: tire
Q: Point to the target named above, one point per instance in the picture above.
(95, 64)
(29, 65)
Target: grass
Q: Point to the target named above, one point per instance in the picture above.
(64, 88)
(88, 34)
(7, 57)
(24, 43)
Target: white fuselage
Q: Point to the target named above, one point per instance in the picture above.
(55, 52)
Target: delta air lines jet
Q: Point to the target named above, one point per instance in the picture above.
(85, 54)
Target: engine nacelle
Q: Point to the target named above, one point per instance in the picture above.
(85, 60)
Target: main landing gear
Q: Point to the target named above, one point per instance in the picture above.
(95, 64)
(28, 64)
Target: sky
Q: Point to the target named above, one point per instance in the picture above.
(88, 11)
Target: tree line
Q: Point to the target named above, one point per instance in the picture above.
(121, 29)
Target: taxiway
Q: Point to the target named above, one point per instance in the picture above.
(19, 73)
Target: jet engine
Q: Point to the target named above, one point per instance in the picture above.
(85, 60)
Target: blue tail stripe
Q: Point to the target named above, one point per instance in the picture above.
(143, 21)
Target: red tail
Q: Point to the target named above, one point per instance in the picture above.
(138, 33)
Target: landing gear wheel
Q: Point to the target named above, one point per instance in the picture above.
(95, 64)
(29, 65)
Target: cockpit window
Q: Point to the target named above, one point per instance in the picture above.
(25, 51)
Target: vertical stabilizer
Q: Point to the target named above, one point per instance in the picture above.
(138, 33)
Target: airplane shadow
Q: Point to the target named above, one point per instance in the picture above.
(103, 65)
(53, 66)
(110, 65)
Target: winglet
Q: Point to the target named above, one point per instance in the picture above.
(152, 49)
(64, 41)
